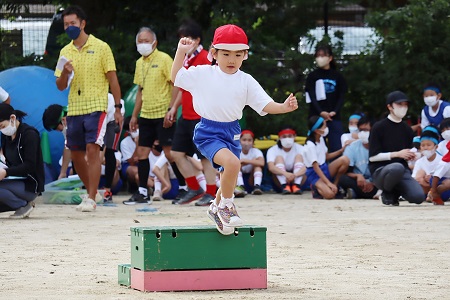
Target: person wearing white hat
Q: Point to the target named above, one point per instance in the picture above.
(220, 92)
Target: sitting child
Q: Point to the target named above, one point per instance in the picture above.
(166, 183)
(320, 174)
(252, 164)
(352, 135)
(285, 162)
(426, 165)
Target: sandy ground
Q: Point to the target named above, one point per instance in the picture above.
(317, 249)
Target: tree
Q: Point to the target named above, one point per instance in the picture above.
(414, 50)
(274, 28)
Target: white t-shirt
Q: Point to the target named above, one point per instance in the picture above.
(221, 97)
(253, 153)
(288, 157)
(424, 121)
(442, 169)
(424, 164)
(127, 147)
(111, 109)
(3, 95)
(442, 147)
(315, 152)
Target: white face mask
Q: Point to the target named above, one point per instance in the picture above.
(10, 129)
(352, 129)
(145, 49)
(446, 135)
(428, 153)
(400, 111)
(322, 61)
(325, 132)
(287, 142)
(134, 134)
(430, 100)
(364, 136)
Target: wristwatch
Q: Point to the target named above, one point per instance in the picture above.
(118, 105)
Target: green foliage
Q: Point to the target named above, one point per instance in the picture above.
(414, 51)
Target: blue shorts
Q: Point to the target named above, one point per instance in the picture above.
(173, 193)
(312, 176)
(211, 136)
(86, 129)
(123, 170)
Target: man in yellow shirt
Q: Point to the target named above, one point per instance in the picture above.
(154, 99)
(87, 66)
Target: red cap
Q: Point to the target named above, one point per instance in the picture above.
(230, 37)
(246, 131)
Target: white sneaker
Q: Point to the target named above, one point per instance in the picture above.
(83, 197)
(228, 215)
(98, 198)
(89, 206)
(213, 215)
(157, 195)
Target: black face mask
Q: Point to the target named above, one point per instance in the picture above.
(158, 148)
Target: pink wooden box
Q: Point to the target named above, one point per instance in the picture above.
(198, 280)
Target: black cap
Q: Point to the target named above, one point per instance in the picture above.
(52, 116)
(395, 97)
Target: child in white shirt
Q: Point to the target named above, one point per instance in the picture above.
(220, 93)
(252, 164)
(322, 177)
(425, 166)
(285, 162)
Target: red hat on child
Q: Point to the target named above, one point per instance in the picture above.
(230, 37)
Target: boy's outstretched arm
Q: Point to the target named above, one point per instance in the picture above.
(184, 45)
(290, 104)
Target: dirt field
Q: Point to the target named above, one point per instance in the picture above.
(317, 249)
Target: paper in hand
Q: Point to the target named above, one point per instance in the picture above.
(61, 62)
(60, 66)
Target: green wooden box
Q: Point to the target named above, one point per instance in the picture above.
(197, 248)
(124, 274)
